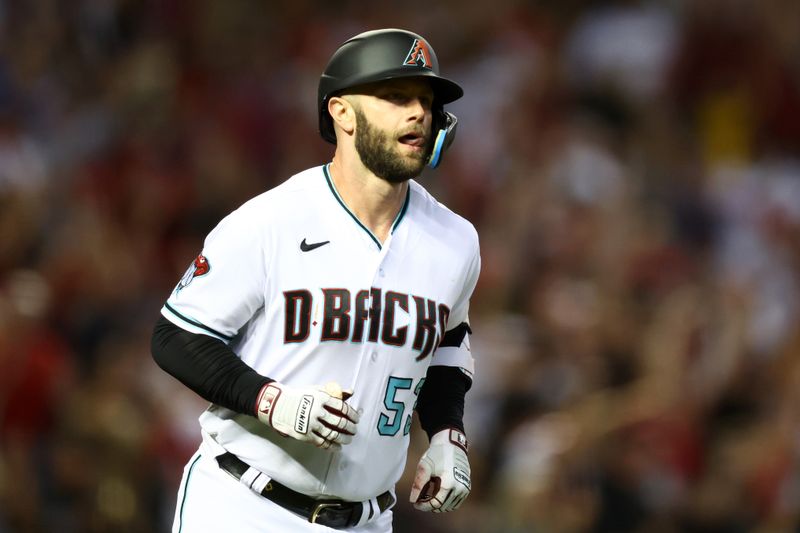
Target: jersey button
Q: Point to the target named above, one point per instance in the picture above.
(381, 272)
(374, 356)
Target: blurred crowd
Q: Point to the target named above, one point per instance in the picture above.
(632, 168)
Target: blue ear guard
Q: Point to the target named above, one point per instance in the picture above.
(446, 124)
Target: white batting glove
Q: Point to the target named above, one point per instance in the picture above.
(307, 414)
(442, 481)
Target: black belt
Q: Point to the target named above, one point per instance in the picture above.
(337, 514)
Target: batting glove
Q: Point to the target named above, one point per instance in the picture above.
(307, 414)
(442, 480)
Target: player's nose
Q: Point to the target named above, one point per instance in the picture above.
(417, 108)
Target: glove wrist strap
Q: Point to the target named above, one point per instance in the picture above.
(453, 436)
(458, 439)
(266, 401)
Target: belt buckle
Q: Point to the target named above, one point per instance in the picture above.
(321, 507)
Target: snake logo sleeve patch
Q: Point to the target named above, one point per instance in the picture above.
(199, 267)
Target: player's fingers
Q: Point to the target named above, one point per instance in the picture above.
(337, 423)
(421, 479)
(340, 406)
(341, 423)
(324, 444)
(346, 429)
(432, 505)
(330, 445)
(343, 409)
(458, 501)
(449, 500)
(336, 419)
(333, 435)
(425, 507)
(316, 439)
(427, 504)
(442, 497)
(320, 441)
(325, 433)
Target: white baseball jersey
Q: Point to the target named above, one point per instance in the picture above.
(305, 294)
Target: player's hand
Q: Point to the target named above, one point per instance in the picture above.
(307, 414)
(442, 481)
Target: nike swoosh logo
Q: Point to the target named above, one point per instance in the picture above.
(305, 247)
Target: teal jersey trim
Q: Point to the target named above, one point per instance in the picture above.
(397, 219)
(185, 490)
(403, 210)
(196, 323)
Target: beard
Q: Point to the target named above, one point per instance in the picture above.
(379, 155)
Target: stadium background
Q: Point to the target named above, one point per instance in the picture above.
(633, 169)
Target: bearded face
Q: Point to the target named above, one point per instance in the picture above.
(380, 153)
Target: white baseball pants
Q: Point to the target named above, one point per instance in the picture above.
(211, 501)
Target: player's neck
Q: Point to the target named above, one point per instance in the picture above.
(375, 201)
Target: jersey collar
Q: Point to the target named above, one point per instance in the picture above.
(336, 195)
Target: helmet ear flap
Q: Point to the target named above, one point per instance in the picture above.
(444, 128)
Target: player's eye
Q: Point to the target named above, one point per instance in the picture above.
(426, 101)
(395, 97)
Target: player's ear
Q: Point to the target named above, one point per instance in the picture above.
(342, 113)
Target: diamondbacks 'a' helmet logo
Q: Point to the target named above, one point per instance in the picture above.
(419, 55)
(199, 267)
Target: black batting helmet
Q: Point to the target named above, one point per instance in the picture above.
(384, 55)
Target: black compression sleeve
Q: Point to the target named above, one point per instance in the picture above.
(441, 400)
(207, 366)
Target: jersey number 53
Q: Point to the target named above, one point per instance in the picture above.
(394, 415)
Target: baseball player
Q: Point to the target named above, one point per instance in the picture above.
(320, 314)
